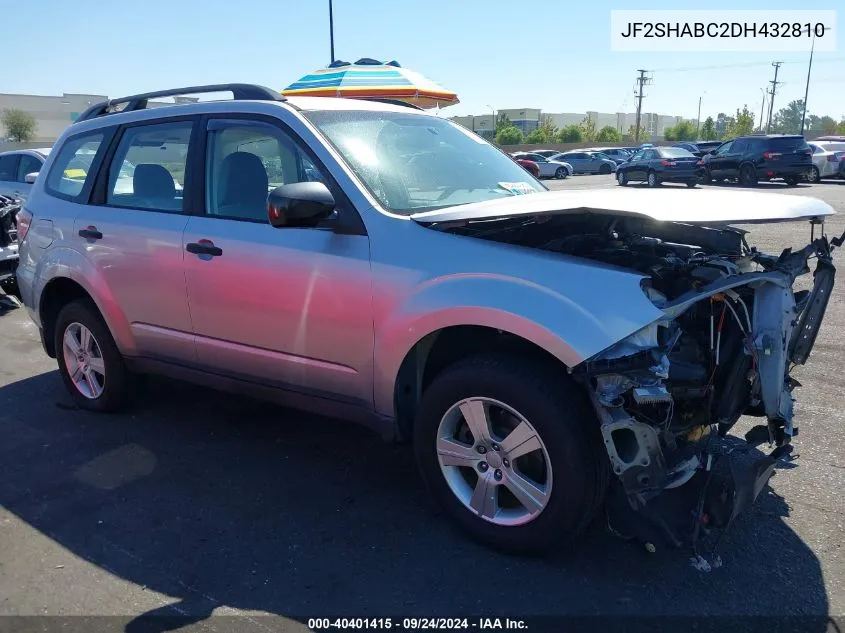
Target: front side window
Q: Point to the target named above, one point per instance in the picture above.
(71, 170)
(148, 168)
(413, 163)
(28, 165)
(8, 167)
(724, 149)
(245, 163)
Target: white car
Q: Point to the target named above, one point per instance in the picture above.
(548, 168)
(826, 158)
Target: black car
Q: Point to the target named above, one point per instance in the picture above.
(707, 147)
(655, 165)
(750, 159)
(692, 148)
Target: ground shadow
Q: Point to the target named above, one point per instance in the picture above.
(219, 501)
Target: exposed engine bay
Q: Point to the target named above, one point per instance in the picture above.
(667, 396)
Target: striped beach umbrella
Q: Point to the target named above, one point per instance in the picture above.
(372, 79)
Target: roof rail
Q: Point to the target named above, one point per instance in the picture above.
(239, 92)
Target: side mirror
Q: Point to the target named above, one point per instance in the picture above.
(30, 178)
(299, 203)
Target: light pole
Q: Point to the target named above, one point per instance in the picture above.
(807, 88)
(762, 108)
(331, 30)
(698, 118)
(493, 130)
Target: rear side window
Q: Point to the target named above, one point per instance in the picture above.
(787, 144)
(71, 172)
(8, 166)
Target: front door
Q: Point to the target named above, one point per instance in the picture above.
(719, 162)
(132, 233)
(289, 307)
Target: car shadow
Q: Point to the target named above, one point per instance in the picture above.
(218, 501)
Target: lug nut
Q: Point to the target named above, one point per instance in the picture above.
(506, 462)
(496, 447)
(498, 475)
(481, 449)
(482, 466)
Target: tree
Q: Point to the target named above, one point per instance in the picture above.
(722, 123)
(631, 133)
(509, 136)
(503, 121)
(787, 120)
(742, 124)
(535, 137)
(20, 125)
(588, 129)
(683, 131)
(840, 129)
(608, 134)
(570, 134)
(823, 124)
(708, 130)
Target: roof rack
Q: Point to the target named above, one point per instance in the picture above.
(240, 92)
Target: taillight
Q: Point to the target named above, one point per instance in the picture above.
(769, 155)
(833, 158)
(667, 163)
(24, 221)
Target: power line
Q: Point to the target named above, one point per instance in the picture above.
(744, 65)
(772, 93)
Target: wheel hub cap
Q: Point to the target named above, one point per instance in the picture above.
(84, 360)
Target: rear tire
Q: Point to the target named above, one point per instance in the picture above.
(814, 175)
(692, 183)
(503, 393)
(561, 173)
(622, 178)
(100, 379)
(605, 170)
(791, 181)
(748, 176)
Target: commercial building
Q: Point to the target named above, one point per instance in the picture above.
(652, 126)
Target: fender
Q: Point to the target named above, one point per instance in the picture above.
(65, 262)
(547, 318)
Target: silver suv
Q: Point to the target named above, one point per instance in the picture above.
(548, 353)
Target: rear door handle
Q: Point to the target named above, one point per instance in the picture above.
(90, 233)
(204, 247)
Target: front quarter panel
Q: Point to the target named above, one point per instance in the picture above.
(425, 280)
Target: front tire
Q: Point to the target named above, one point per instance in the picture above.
(604, 170)
(748, 176)
(561, 173)
(652, 180)
(692, 183)
(622, 178)
(791, 181)
(90, 364)
(509, 451)
(814, 175)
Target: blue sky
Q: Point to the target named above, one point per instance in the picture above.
(552, 55)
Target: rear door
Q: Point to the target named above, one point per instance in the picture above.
(131, 235)
(577, 160)
(717, 162)
(8, 174)
(636, 168)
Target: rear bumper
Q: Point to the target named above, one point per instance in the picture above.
(684, 175)
(783, 171)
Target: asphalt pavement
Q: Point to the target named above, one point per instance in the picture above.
(198, 504)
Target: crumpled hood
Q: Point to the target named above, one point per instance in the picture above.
(708, 207)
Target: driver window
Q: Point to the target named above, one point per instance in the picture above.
(724, 149)
(244, 164)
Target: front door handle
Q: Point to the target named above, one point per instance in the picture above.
(90, 233)
(204, 247)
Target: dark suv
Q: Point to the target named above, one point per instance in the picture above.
(750, 159)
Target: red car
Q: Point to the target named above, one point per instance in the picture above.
(530, 166)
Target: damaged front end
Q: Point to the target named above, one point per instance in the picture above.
(667, 395)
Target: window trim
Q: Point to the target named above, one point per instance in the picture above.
(88, 187)
(348, 221)
(99, 194)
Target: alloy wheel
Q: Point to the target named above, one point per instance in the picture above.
(494, 461)
(84, 360)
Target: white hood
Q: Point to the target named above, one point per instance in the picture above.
(692, 206)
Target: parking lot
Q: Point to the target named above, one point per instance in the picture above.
(198, 503)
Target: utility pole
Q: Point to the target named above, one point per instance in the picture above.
(642, 80)
(762, 108)
(772, 93)
(698, 120)
(331, 30)
(807, 89)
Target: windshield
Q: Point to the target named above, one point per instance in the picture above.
(415, 163)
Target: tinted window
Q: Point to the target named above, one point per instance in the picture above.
(8, 167)
(786, 144)
(741, 145)
(537, 158)
(649, 155)
(148, 168)
(245, 163)
(576, 156)
(71, 170)
(637, 156)
(675, 152)
(724, 149)
(28, 165)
